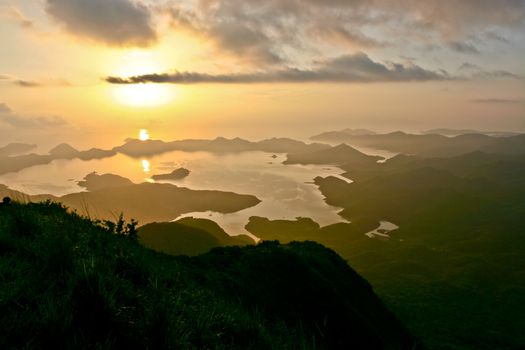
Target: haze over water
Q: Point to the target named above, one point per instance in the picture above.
(286, 191)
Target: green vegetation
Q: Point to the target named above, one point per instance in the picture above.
(454, 271)
(69, 282)
(188, 236)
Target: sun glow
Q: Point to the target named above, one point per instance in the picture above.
(146, 166)
(143, 135)
(140, 95)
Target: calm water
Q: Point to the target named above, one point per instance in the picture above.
(286, 191)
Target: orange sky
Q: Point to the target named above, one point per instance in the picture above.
(247, 69)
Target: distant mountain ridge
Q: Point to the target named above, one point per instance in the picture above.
(456, 132)
(430, 145)
(137, 148)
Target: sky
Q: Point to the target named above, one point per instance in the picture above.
(97, 71)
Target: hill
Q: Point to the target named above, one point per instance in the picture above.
(188, 236)
(430, 145)
(68, 282)
(137, 148)
(111, 194)
(338, 155)
(177, 174)
(454, 269)
(14, 161)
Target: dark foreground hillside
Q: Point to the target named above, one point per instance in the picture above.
(67, 282)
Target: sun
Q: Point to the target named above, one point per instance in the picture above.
(140, 95)
(143, 135)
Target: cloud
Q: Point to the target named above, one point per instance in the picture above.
(10, 118)
(34, 83)
(492, 35)
(496, 101)
(345, 36)
(242, 39)
(469, 70)
(26, 83)
(281, 31)
(113, 22)
(463, 47)
(345, 69)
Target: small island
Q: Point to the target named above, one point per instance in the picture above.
(176, 174)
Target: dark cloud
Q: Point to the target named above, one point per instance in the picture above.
(496, 74)
(35, 83)
(242, 39)
(273, 30)
(26, 83)
(10, 118)
(114, 22)
(492, 35)
(463, 47)
(349, 68)
(246, 37)
(469, 67)
(496, 101)
(345, 36)
(469, 70)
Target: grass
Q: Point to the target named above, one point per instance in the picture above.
(67, 282)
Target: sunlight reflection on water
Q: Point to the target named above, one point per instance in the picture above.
(286, 191)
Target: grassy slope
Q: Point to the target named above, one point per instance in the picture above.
(67, 283)
(455, 269)
(188, 236)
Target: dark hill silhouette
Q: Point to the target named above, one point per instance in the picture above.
(342, 135)
(508, 145)
(145, 202)
(216, 231)
(286, 145)
(10, 164)
(17, 163)
(456, 132)
(95, 153)
(73, 283)
(149, 202)
(176, 174)
(15, 195)
(430, 145)
(222, 144)
(137, 148)
(188, 236)
(94, 182)
(460, 232)
(338, 155)
(63, 150)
